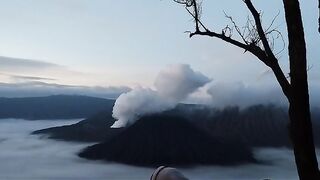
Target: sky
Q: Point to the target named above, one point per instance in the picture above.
(124, 43)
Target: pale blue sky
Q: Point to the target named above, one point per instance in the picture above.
(127, 42)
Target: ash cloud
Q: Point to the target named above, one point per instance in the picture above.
(172, 85)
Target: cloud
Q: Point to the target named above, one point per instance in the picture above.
(41, 158)
(172, 85)
(230, 94)
(16, 70)
(38, 88)
(179, 80)
(27, 78)
(49, 159)
(222, 94)
(9, 63)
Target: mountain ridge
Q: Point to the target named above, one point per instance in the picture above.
(160, 139)
(53, 107)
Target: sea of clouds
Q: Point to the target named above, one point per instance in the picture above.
(25, 156)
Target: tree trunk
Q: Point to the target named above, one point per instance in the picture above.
(319, 16)
(302, 140)
(299, 108)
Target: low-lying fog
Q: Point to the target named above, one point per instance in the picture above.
(25, 156)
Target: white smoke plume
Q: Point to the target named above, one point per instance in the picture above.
(222, 94)
(178, 81)
(239, 94)
(172, 85)
(138, 102)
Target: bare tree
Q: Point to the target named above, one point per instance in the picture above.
(260, 42)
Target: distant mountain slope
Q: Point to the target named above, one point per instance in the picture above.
(258, 126)
(168, 140)
(93, 129)
(53, 107)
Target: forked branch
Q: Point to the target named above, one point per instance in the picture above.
(256, 35)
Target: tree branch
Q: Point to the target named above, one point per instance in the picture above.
(236, 28)
(221, 36)
(196, 15)
(260, 30)
(272, 60)
(266, 55)
(257, 51)
(281, 78)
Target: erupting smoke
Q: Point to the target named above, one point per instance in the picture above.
(238, 94)
(172, 85)
(222, 94)
(138, 102)
(178, 81)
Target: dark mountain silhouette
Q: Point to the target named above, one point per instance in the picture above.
(93, 129)
(53, 107)
(258, 126)
(168, 140)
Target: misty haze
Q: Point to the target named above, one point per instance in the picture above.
(40, 158)
(159, 90)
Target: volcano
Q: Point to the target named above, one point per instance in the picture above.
(93, 129)
(168, 140)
